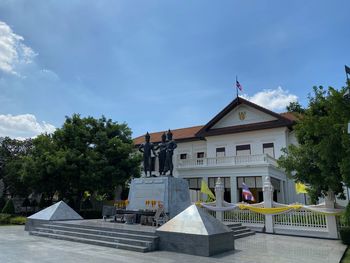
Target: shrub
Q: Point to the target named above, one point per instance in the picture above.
(18, 220)
(345, 235)
(345, 218)
(4, 219)
(9, 208)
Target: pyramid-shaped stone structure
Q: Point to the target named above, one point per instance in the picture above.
(196, 221)
(58, 211)
(195, 232)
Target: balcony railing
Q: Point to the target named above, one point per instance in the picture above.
(227, 161)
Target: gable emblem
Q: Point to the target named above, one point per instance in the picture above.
(242, 115)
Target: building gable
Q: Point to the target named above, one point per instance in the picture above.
(242, 115)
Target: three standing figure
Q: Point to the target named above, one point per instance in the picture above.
(165, 155)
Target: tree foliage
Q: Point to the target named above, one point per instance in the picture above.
(295, 107)
(86, 154)
(322, 157)
(11, 153)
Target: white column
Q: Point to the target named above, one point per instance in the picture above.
(330, 219)
(233, 185)
(219, 194)
(268, 199)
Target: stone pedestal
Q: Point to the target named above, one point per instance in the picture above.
(195, 232)
(172, 192)
(57, 212)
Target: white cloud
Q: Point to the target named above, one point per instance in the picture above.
(273, 99)
(23, 126)
(13, 53)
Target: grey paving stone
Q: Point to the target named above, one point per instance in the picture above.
(16, 246)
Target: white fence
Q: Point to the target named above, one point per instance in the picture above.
(299, 223)
(243, 216)
(301, 219)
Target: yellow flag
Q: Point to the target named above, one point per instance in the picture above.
(205, 190)
(300, 188)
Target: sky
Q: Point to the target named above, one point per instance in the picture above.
(159, 65)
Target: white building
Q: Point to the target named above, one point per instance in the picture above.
(240, 144)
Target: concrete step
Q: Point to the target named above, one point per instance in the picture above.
(92, 241)
(109, 229)
(240, 231)
(233, 224)
(234, 228)
(141, 236)
(123, 240)
(244, 234)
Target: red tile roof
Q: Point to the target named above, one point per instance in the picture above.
(178, 135)
(293, 116)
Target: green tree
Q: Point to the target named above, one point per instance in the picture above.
(86, 154)
(321, 158)
(9, 208)
(11, 153)
(295, 107)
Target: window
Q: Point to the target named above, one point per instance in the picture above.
(220, 152)
(224, 180)
(269, 149)
(183, 156)
(194, 183)
(255, 186)
(227, 186)
(243, 149)
(200, 155)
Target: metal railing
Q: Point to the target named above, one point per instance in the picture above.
(227, 161)
(301, 219)
(243, 216)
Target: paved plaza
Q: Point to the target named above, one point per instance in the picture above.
(17, 246)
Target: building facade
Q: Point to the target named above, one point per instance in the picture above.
(241, 144)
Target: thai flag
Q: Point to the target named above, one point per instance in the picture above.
(247, 194)
(238, 85)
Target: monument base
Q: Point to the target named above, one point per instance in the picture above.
(172, 192)
(195, 232)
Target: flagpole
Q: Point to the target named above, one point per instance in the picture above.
(236, 88)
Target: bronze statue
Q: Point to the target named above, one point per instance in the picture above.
(170, 147)
(162, 146)
(147, 148)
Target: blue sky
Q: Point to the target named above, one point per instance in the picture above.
(162, 64)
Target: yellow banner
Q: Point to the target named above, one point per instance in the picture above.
(205, 190)
(270, 211)
(300, 188)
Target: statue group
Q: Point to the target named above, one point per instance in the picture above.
(165, 154)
